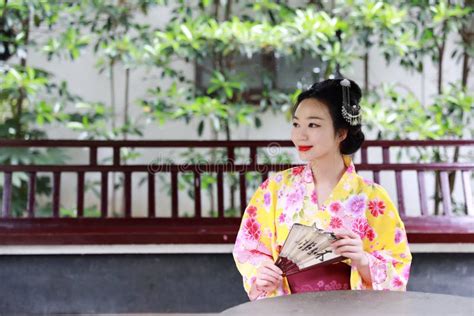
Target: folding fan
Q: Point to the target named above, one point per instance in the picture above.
(306, 247)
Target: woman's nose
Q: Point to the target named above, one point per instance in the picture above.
(302, 135)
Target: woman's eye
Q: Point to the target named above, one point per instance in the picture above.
(314, 125)
(295, 124)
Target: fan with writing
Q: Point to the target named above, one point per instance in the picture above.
(306, 247)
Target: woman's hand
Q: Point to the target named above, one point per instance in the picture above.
(350, 246)
(268, 277)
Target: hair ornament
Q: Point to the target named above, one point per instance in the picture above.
(350, 113)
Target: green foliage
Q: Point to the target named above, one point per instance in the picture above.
(221, 38)
(396, 115)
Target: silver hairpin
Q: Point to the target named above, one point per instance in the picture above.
(350, 113)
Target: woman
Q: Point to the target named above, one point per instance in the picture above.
(326, 191)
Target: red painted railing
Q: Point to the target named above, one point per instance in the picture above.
(447, 227)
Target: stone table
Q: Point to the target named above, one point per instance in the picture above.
(365, 303)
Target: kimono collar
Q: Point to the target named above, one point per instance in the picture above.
(308, 172)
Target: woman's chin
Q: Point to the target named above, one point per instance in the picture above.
(305, 156)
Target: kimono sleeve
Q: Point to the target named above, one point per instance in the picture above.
(253, 244)
(386, 245)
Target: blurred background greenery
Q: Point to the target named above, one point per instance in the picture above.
(240, 51)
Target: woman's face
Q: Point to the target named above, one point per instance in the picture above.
(313, 132)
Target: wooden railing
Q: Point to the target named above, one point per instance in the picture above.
(30, 229)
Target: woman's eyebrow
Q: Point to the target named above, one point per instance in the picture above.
(310, 117)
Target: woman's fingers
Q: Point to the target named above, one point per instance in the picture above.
(269, 279)
(267, 282)
(271, 273)
(273, 267)
(264, 283)
(347, 234)
(344, 242)
(348, 249)
(268, 276)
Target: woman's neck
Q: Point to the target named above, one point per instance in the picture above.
(328, 169)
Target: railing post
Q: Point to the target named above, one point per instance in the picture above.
(446, 193)
(104, 194)
(93, 156)
(467, 190)
(401, 201)
(56, 193)
(386, 154)
(128, 194)
(363, 152)
(197, 194)
(174, 193)
(31, 194)
(151, 195)
(220, 194)
(243, 192)
(422, 192)
(7, 195)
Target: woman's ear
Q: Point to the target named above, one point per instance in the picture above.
(342, 134)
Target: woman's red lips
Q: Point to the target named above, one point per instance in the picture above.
(304, 148)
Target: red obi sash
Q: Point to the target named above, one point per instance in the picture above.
(322, 277)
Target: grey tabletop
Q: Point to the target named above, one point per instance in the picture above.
(365, 303)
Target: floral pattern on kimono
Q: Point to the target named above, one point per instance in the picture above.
(355, 204)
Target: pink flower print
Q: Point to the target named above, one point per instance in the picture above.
(376, 207)
(251, 229)
(335, 207)
(360, 226)
(398, 235)
(278, 178)
(356, 204)
(267, 199)
(347, 186)
(294, 198)
(368, 182)
(268, 232)
(406, 272)
(314, 197)
(350, 169)
(335, 222)
(395, 262)
(370, 234)
(264, 185)
(308, 175)
(379, 256)
(252, 211)
(280, 194)
(297, 170)
(379, 273)
(282, 218)
(248, 250)
(397, 282)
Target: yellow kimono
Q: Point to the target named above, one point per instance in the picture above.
(355, 204)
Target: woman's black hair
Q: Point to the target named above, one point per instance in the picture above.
(329, 92)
